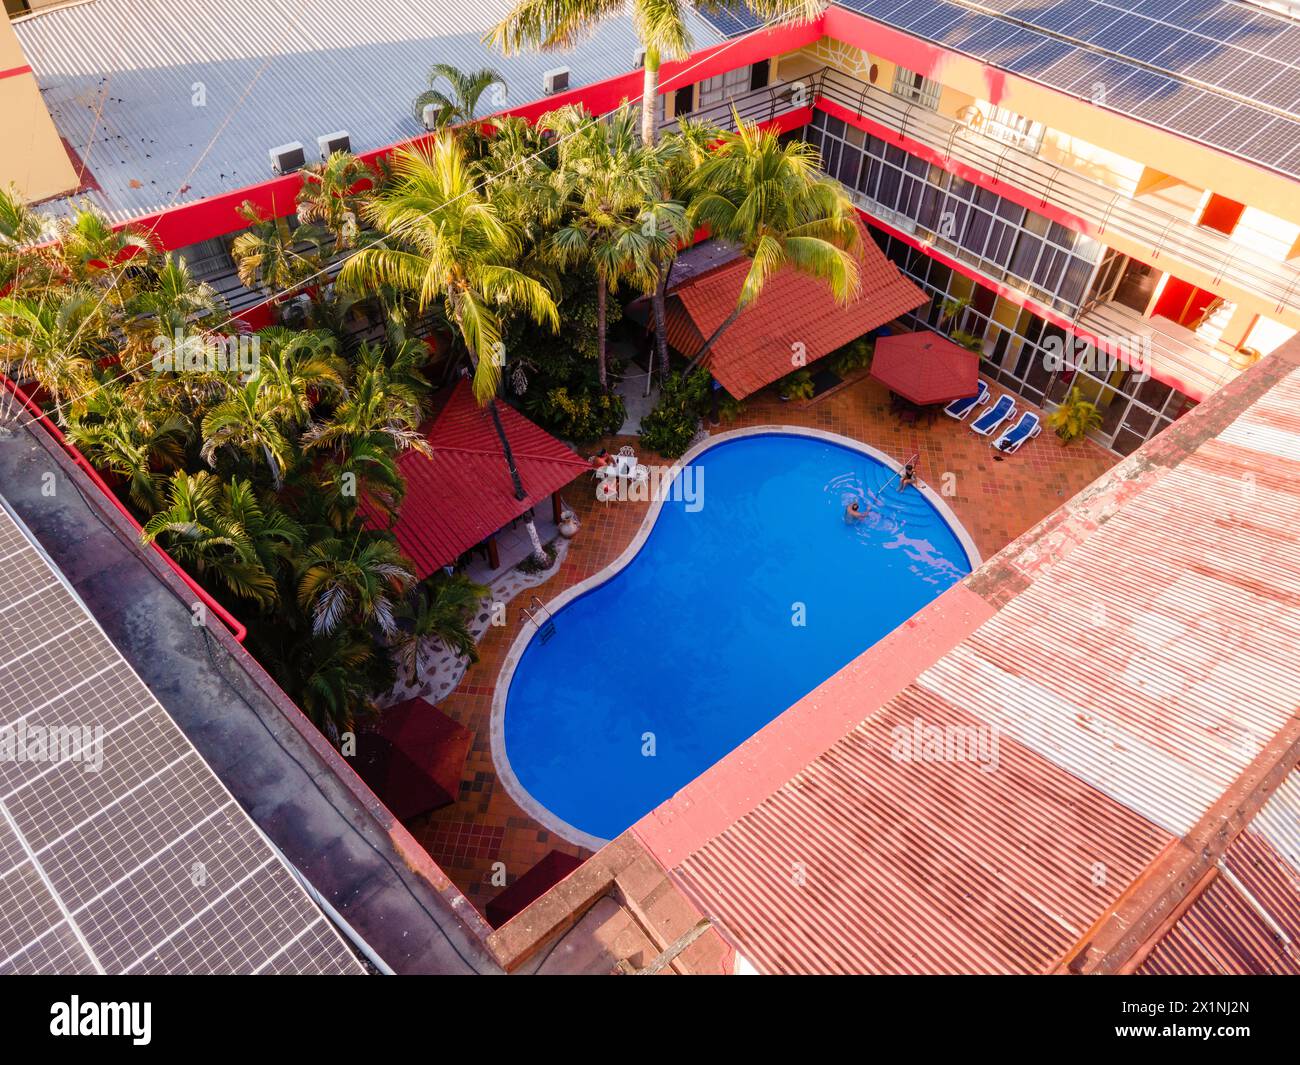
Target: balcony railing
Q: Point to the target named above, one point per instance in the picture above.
(1105, 210)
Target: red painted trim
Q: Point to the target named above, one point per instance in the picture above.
(13, 72)
(963, 170)
(231, 622)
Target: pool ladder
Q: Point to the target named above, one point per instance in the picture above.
(546, 626)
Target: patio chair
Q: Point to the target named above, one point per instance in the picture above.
(1026, 428)
(625, 462)
(995, 415)
(959, 408)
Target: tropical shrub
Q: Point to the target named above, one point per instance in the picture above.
(853, 356)
(580, 418)
(1075, 417)
(797, 385)
(672, 425)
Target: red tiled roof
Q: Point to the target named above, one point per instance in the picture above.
(794, 308)
(1132, 750)
(925, 367)
(464, 494)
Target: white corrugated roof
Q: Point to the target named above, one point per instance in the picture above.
(119, 78)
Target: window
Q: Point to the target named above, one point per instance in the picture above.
(916, 87)
(1011, 128)
(723, 87)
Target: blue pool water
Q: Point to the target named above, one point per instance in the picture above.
(696, 642)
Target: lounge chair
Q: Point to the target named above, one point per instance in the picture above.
(995, 415)
(959, 408)
(1026, 428)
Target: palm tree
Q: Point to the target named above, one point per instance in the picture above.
(23, 264)
(353, 583)
(460, 104)
(772, 200)
(55, 338)
(222, 531)
(447, 241)
(250, 421)
(298, 367)
(133, 443)
(332, 195)
(440, 611)
(617, 226)
(174, 304)
(267, 257)
(660, 24)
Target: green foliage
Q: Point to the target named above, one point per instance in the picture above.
(797, 385)
(580, 418)
(730, 408)
(1075, 417)
(672, 425)
(853, 356)
(441, 609)
(969, 341)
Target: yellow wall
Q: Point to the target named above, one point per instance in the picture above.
(34, 160)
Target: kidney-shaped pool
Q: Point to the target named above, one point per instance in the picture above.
(749, 589)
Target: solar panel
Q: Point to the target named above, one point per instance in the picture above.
(120, 849)
(731, 20)
(1207, 58)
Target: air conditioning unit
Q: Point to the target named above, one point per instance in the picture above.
(638, 59)
(329, 143)
(287, 158)
(429, 116)
(554, 81)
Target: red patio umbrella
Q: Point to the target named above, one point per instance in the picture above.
(414, 759)
(925, 368)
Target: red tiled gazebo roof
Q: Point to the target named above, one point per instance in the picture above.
(464, 494)
(756, 349)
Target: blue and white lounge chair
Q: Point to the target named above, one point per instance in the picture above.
(1026, 428)
(995, 415)
(959, 408)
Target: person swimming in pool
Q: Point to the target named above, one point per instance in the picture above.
(854, 512)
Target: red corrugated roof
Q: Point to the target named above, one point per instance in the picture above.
(1136, 652)
(758, 347)
(464, 493)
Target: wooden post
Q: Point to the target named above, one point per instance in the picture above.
(555, 507)
(494, 557)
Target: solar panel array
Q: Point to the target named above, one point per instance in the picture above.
(1224, 74)
(120, 850)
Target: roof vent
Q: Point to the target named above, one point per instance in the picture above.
(556, 80)
(329, 143)
(287, 158)
(638, 59)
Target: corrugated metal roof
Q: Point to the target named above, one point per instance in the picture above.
(758, 348)
(1141, 657)
(464, 493)
(120, 79)
(1247, 921)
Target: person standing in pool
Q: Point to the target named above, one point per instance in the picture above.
(854, 512)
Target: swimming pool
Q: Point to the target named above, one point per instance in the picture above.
(738, 597)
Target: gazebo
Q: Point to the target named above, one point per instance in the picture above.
(464, 494)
